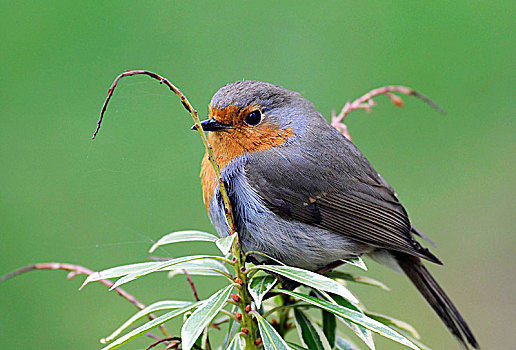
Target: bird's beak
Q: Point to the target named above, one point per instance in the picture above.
(212, 125)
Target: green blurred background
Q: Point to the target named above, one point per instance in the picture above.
(66, 198)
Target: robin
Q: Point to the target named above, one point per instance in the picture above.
(305, 195)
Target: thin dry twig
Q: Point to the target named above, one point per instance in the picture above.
(192, 285)
(177, 342)
(366, 102)
(81, 270)
(186, 104)
(148, 334)
(216, 325)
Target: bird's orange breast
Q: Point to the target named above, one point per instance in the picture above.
(236, 141)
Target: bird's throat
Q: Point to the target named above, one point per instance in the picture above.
(235, 143)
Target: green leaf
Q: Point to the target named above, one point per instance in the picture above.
(295, 346)
(148, 326)
(392, 322)
(337, 299)
(329, 324)
(418, 343)
(238, 343)
(224, 244)
(201, 267)
(158, 306)
(203, 340)
(202, 317)
(353, 316)
(364, 334)
(183, 236)
(358, 262)
(159, 266)
(358, 279)
(259, 286)
(309, 332)
(115, 272)
(207, 265)
(345, 344)
(311, 279)
(270, 338)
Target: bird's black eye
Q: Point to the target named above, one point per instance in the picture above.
(254, 117)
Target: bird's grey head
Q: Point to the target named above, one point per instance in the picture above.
(279, 106)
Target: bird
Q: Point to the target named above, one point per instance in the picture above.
(304, 194)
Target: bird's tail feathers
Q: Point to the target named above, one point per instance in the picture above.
(437, 298)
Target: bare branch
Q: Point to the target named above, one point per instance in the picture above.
(192, 285)
(366, 102)
(197, 121)
(177, 341)
(81, 270)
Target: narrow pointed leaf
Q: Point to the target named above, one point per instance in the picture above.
(392, 322)
(203, 340)
(202, 316)
(338, 300)
(259, 286)
(353, 316)
(194, 271)
(159, 266)
(183, 236)
(115, 272)
(329, 323)
(309, 332)
(345, 344)
(295, 346)
(311, 279)
(270, 338)
(158, 306)
(418, 343)
(238, 343)
(363, 333)
(224, 244)
(207, 265)
(358, 279)
(358, 262)
(201, 267)
(148, 326)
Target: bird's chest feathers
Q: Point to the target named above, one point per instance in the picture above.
(235, 143)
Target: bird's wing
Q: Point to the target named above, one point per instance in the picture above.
(334, 189)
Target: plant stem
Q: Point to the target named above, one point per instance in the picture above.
(245, 297)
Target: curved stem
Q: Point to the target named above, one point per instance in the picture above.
(225, 274)
(229, 314)
(366, 103)
(186, 104)
(81, 270)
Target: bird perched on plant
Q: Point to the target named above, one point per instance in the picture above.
(305, 195)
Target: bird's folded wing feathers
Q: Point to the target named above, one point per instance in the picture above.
(359, 205)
